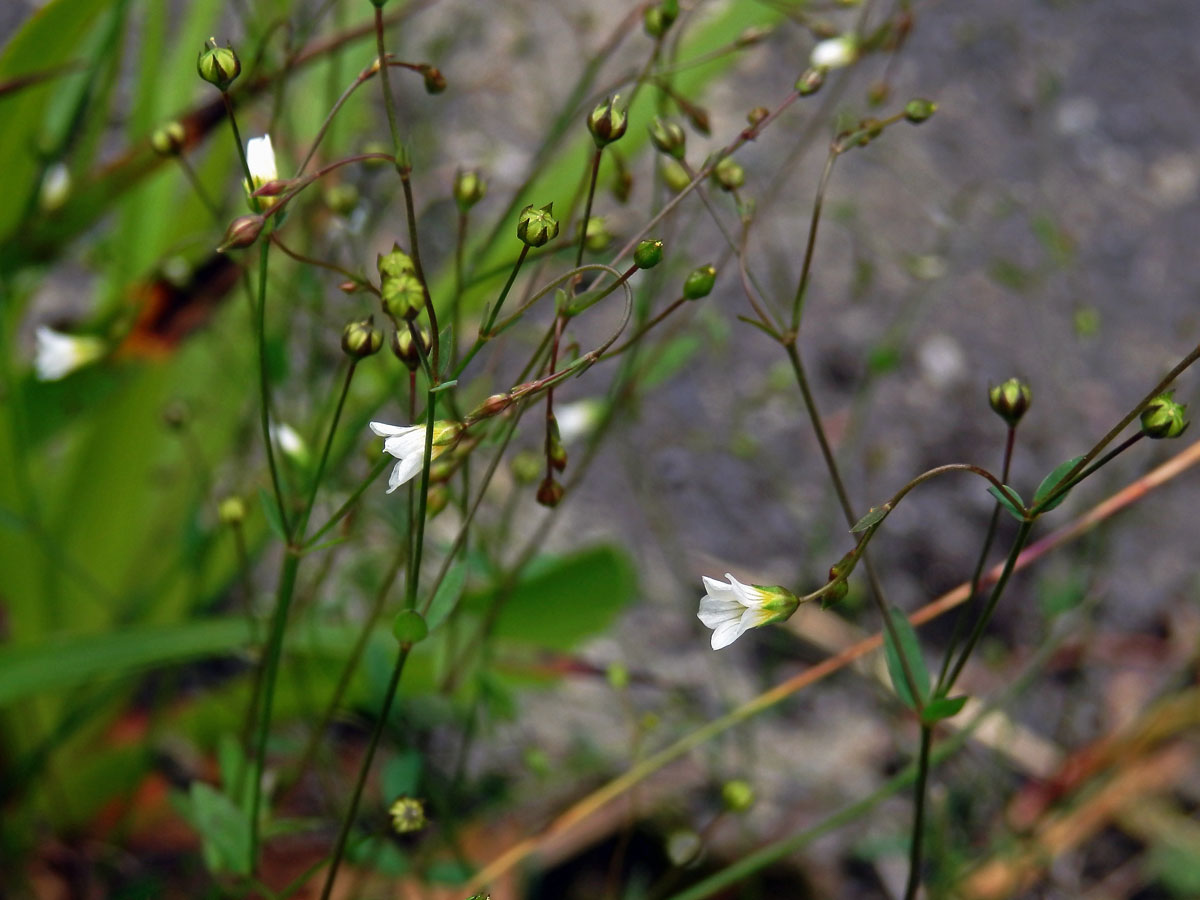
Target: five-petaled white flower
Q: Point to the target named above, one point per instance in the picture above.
(834, 53)
(730, 609)
(58, 354)
(260, 158)
(407, 444)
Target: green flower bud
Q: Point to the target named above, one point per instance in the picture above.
(607, 123)
(169, 140)
(436, 500)
(919, 109)
(756, 116)
(409, 627)
(341, 198)
(738, 795)
(598, 236)
(810, 81)
(668, 137)
(406, 351)
(622, 183)
(536, 227)
(242, 232)
(469, 189)
(659, 18)
(1010, 400)
(526, 466)
(729, 174)
(403, 296)
(361, 338)
(219, 66)
(549, 492)
(408, 815)
(1164, 418)
(675, 176)
(231, 511)
(394, 263)
(700, 282)
(648, 254)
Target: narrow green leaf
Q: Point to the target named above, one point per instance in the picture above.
(223, 827)
(1004, 501)
(271, 511)
(1051, 481)
(669, 360)
(942, 708)
(912, 652)
(874, 516)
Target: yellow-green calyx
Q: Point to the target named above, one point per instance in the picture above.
(536, 227)
(1010, 400)
(1164, 418)
(219, 66)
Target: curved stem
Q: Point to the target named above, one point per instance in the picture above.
(587, 207)
(264, 385)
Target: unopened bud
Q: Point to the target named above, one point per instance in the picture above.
(757, 115)
(660, 17)
(406, 351)
(436, 499)
(834, 53)
(878, 93)
(341, 198)
(549, 492)
(622, 184)
(409, 627)
(536, 227)
(242, 232)
(556, 452)
(607, 123)
(700, 282)
(648, 254)
(668, 137)
(810, 81)
(492, 406)
(169, 140)
(526, 466)
(435, 81)
(729, 174)
(919, 109)
(1010, 400)
(684, 846)
(408, 813)
(469, 189)
(361, 338)
(219, 66)
(1164, 418)
(738, 795)
(400, 289)
(231, 511)
(675, 176)
(349, 287)
(598, 236)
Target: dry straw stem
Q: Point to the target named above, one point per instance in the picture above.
(589, 805)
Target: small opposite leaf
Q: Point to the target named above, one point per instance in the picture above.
(1004, 501)
(1051, 481)
(942, 708)
(446, 598)
(912, 653)
(874, 516)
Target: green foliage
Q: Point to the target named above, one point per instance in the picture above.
(910, 647)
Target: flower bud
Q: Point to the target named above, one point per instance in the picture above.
(607, 123)
(219, 66)
(1164, 418)
(492, 406)
(436, 499)
(526, 466)
(683, 847)
(598, 236)
(400, 289)
(622, 183)
(834, 53)
(407, 352)
(536, 227)
(242, 232)
(738, 795)
(700, 282)
(668, 137)
(729, 174)
(231, 511)
(919, 109)
(169, 139)
(409, 627)
(556, 452)
(756, 116)
(394, 263)
(660, 17)
(1010, 400)
(361, 338)
(878, 93)
(648, 254)
(549, 492)
(59, 354)
(408, 813)
(435, 81)
(469, 189)
(675, 176)
(55, 188)
(341, 198)
(810, 81)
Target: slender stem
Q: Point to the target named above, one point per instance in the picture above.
(264, 385)
(349, 504)
(385, 82)
(199, 188)
(460, 245)
(810, 247)
(237, 139)
(485, 331)
(646, 327)
(339, 848)
(316, 483)
(918, 829)
(587, 207)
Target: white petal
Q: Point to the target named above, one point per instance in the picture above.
(58, 355)
(411, 443)
(726, 634)
(404, 471)
(713, 612)
(383, 429)
(747, 594)
(713, 586)
(752, 618)
(260, 158)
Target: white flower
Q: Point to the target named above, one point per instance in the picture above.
(58, 354)
(834, 53)
(407, 444)
(260, 157)
(730, 609)
(289, 441)
(56, 187)
(579, 419)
